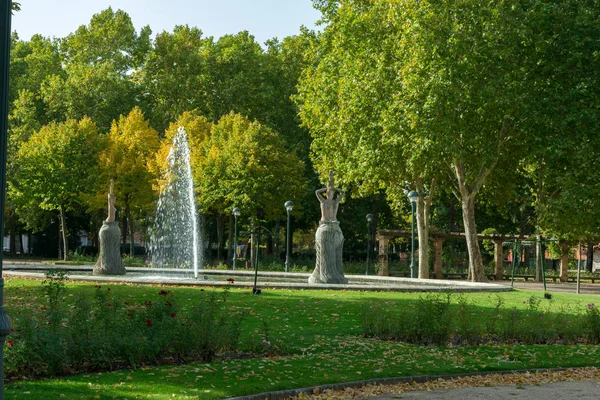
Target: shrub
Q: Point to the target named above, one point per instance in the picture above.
(102, 332)
(450, 319)
(424, 322)
(592, 323)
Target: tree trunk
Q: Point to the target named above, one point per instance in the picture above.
(63, 229)
(423, 204)
(589, 262)
(124, 233)
(12, 223)
(522, 223)
(129, 229)
(21, 247)
(277, 244)
(423, 233)
(230, 244)
(539, 258)
(252, 243)
(476, 271)
(220, 234)
(452, 226)
(269, 243)
(373, 231)
(451, 216)
(466, 194)
(60, 245)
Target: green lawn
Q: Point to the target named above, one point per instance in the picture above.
(320, 330)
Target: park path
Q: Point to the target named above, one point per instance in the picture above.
(570, 287)
(580, 390)
(577, 384)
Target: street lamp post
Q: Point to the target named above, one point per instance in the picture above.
(5, 15)
(369, 219)
(255, 290)
(413, 197)
(236, 213)
(288, 240)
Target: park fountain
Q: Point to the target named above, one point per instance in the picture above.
(175, 238)
(175, 251)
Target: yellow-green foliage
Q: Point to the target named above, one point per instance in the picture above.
(58, 164)
(131, 144)
(245, 164)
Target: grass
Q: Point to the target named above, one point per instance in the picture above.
(321, 330)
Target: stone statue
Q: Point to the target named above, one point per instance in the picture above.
(112, 210)
(109, 261)
(329, 239)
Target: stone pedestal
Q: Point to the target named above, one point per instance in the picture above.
(329, 242)
(109, 261)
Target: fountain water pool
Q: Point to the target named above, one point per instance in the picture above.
(175, 236)
(267, 279)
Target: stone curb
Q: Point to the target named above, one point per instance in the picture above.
(116, 279)
(285, 394)
(359, 282)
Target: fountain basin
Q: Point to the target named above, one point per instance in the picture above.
(245, 279)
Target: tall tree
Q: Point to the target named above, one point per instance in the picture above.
(176, 76)
(98, 59)
(245, 164)
(347, 101)
(33, 62)
(131, 143)
(57, 166)
(469, 83)
(561, 165)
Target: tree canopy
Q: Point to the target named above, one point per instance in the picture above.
(244, 164)
(57, 167)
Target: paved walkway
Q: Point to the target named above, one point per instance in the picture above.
(580, 390)
(570, 287)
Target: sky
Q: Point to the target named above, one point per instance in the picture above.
(264, 19)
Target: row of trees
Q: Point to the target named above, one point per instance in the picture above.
(93, 106)
(64, 167)
(493, 103)
(494, 97)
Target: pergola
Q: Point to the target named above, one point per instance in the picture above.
(438, 238)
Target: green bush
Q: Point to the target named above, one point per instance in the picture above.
(451, 320)
(104, 333)
(592, 323)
